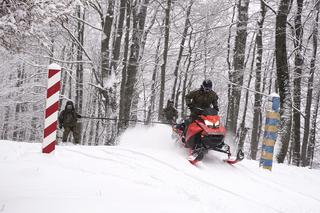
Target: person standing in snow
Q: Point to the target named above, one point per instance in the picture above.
(170, 113)
(68, 120)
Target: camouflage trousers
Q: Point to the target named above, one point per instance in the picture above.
(75, 131)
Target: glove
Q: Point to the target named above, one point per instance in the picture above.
(190, 106)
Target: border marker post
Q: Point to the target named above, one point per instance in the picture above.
(271, 132)
(52, 106)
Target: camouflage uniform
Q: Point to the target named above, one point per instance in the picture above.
(170, 113)
(68, 120)
(199, 99)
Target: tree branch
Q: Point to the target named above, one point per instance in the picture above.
(83, 21)
(76, 40)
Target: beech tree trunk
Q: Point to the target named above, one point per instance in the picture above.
(119, 32)
(243, 129)
(283, 77)
(312, 139)
(184, 35)
(122, 105)
(139, 18)
(79, 69)
(298, 62)
(165, 55)
(154, 83)
(5, 127)
(306, 131)
(257, 87)
(105, 42)
(236, 76)
(228, 59)
(186, 76)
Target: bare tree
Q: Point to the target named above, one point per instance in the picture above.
(242, 132)
(154, 83)
(184, 35)
(312, 139)
(186, 74)
(298, 61)
(306, 131)
(79, 68)
(139, 14)
(119, 32)
(257, 87)
(122, 102)
(105, 42)
(283, 76)
(165, 56)
(236, 76)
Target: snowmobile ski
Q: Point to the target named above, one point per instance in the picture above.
(196, 155)
(238, 158)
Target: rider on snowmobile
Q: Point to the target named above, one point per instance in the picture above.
(202, 98)
(199, 99)
(203, 104)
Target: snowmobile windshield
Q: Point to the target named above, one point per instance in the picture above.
(209, 111)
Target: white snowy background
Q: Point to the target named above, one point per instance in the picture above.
(146, 172)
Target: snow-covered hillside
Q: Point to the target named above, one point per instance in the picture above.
(146, 173)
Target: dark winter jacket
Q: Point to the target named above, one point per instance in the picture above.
(201, 99)
(68, 117)
(170, 113)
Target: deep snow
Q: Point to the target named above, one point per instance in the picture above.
(146, 172)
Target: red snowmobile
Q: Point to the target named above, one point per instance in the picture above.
(204, 134)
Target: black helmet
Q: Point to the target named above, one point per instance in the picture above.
(206, 85)
(69, 105)
(169, 102)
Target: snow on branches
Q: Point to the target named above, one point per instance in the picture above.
(20, 20)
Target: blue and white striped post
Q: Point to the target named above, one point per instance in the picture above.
(270, 132)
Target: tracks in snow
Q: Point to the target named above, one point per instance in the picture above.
(162, 173)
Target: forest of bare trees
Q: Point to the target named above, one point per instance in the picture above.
(123, 59)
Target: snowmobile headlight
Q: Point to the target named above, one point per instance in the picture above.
(212, 125)
(216, 124)
(208, 123)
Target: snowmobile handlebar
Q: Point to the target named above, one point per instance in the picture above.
(206, 111)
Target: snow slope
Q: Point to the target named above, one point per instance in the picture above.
(146, 172)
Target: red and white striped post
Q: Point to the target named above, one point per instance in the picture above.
(52, 105)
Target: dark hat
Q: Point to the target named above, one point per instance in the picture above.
(68, 104)
(206, 85)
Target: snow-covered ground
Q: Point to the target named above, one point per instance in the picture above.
(146, 173)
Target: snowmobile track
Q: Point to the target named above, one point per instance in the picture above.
(204, 182)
